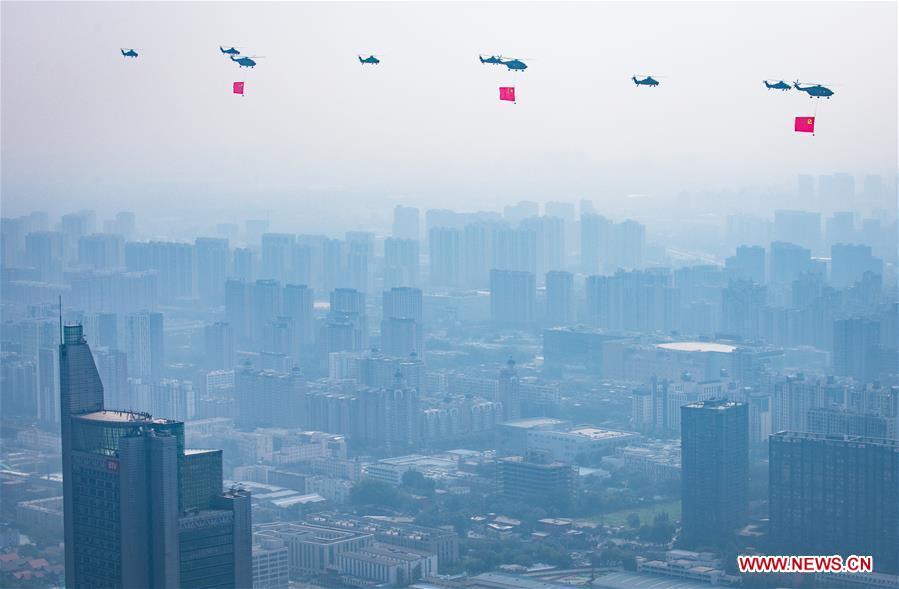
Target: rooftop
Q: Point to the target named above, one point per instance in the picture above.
(698, 347)
(113, 416)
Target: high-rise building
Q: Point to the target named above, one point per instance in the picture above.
(220, 350)
(525, 209)
(144, 344)
(508, 391)
(856, 348)
(139, 509)
(560, 309)
(270, 398)
(800, 227)
(512, 297)
(277, 255)
(840, 228)
(595, 232)
(400, 262)
(794, 397)
(742, 303)
(239, 308)
(244, 265)
(477, 255)
(832, 494)
(514, 249)
(639, 300)
(848, 263)
(44, 252)
(348, 305)
(445, 256)
(266, 307)
(212, 255)
(747, 264)
(298, 305)
(401, 324)
(715, 470)
(101, 251)
(788, 261)
(173, 263)
(113, 368)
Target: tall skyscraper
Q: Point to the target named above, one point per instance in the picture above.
(715, 470)
(832, 494)
(139, 510)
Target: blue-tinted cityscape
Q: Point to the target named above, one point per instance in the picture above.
(449, 295)
(537, 395)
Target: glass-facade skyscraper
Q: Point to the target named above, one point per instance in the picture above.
(139, 509)
(715, 470)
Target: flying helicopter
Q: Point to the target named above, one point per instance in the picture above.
(493, 59)
(781, 85)
(815, 90)
(513, 64)
(646, 81)
(128, 52)
(371, 59)
(229, 51)
(245, 61)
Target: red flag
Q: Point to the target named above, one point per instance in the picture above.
(805, 125)
(507, 93)
(238, 88)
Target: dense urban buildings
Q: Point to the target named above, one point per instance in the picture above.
(443, 396)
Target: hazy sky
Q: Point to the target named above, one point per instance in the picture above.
(84, 127)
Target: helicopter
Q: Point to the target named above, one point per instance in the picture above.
(370, 59)
(647, 81)
(513, 64)
(814, 91)
(244, 61)
(781, 85)
(230, 51)
(129, 52)
(493, 59)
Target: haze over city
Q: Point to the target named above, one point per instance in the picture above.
(317, 133)
(449, 295)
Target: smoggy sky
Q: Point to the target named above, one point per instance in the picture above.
(84, 127)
